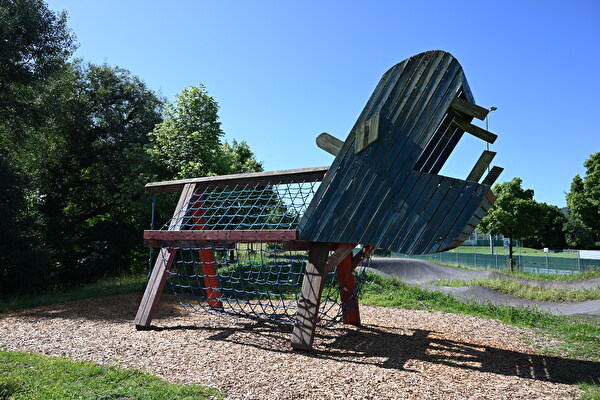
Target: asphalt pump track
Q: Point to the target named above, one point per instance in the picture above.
(422, 273)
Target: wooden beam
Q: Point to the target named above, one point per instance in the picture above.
(469, 108)
(479, 169)
(162, 265)
(303, 333)
(475, 130)
(329, 143)
(348, 294)
(253, 178)
(492, 176)
(341, 252)
(156, 238)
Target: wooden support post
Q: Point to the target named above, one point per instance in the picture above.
(163, 263)
(308, 306)
(208, 265)
(348, 295)
(211, 278)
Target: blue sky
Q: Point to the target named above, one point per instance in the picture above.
(285, 71)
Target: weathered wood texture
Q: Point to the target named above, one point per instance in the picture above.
(163, 263)
(388, 194)
(158, 238)
(253, 178)
(329, 143)
(310, 297)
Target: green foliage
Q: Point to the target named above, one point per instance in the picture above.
(29, 376)
(550, 228)
(514, 214)
(36, 44)
(188, 140)
(583, 202)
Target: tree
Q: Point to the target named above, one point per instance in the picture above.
(92, 169)
(583, 201)
(35, 44)
(550, 231)
(514, 214)
(188, 141)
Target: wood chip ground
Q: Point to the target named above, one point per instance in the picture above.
(396, 354)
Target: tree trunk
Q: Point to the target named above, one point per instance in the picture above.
(510, 255)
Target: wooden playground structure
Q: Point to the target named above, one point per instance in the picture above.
(244, 243)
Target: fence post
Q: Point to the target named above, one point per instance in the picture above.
(547, 266)
(579, 261)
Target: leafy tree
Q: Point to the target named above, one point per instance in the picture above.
(550, 232)
(583, 200)
(578, 235)
(35, 44)
(91, 170)
(188, 141)
(514, 214)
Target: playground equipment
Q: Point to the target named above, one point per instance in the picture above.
(283, 245)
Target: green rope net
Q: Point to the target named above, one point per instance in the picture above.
(253, 279)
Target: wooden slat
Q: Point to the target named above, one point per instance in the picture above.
(397, 158)
(469, 108)
(352, 210)
(475, 130)
(173, 237)
(492, 176)
(329, 143)
(253, 178)
(480, 166)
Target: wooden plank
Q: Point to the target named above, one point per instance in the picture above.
(412, 129)
(348, 295)
(340, 253)
(329, 143)
(162, 265)
(475, 130)
(303, 333)
(393, 152)
(208, 264)
(344, 167)
(172, 237)
(315, 174)
(492, 176)
(480, 166)
(469, 108)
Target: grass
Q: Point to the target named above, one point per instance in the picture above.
(589, 274)
(525, 291)
(108, 287)
(516, 251)
(30, 376)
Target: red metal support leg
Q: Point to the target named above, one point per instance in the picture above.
(211, 278)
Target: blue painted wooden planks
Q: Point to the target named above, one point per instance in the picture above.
(382, 188)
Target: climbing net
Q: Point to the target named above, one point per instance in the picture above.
(260, 278)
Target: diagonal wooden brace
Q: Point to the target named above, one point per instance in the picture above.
(163, 264)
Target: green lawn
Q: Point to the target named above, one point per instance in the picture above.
(30, 376)
(526, 251)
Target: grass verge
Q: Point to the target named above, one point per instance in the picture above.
(29, 376)
(592, 273)
(525, 291)
(109, 287)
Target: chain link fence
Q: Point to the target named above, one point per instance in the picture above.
(544, 263)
